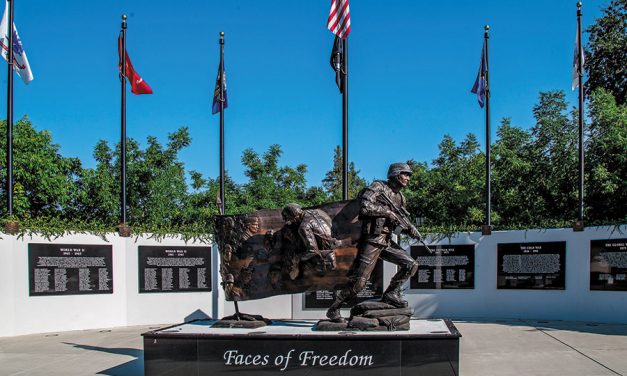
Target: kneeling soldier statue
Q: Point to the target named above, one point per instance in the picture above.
(382, 210)
(314, 230)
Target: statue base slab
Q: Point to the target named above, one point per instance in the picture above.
(428, 348)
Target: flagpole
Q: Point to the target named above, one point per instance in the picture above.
(345, 120)
(579, 225)
(9, 181)
(487, 228)
(222, 203)
(123, 131)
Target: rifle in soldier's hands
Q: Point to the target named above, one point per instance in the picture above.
(402, 215)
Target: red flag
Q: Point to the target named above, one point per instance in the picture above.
(138, 85)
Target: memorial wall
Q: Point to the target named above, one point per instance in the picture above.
(551, 274)
(83, 281)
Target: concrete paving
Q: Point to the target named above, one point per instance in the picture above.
(490, 347)
(527, 347)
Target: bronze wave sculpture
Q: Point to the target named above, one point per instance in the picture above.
(333, 246)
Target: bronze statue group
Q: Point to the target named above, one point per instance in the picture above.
(381, 211)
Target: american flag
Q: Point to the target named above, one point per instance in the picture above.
(339, 18)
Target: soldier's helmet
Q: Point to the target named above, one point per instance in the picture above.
(398, 168)
(291, 212)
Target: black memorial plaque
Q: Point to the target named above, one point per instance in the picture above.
(322, 299)
(608, 265)
(70, 269)
(449, 267)
(174, 269)
(537, 266)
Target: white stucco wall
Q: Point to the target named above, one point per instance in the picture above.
(24, 314)
(577, 302)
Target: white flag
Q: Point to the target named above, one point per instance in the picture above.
(576, 55)
(20, 61)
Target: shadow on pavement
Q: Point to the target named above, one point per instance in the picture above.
(133, 367)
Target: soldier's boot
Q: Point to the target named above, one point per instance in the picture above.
(333, 313)
(392, 294)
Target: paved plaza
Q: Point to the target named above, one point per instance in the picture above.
(490, 347)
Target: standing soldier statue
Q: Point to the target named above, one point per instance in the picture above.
(382, 212)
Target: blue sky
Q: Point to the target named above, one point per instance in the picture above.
(411, 67)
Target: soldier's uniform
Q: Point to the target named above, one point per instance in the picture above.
(378, 225)
(314, 230)
(375, 241)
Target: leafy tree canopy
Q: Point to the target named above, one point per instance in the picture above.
(606, 52)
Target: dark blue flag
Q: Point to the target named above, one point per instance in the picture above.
(337, 61)
(216, 92)
(481, 83)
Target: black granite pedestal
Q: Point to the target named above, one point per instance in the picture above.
(429, 348)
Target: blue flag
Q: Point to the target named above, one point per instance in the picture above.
(216, 92)
(481, 83)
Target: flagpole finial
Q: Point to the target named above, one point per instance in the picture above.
(579, 4)
(124, 21)
(222, 33)
(487, 27)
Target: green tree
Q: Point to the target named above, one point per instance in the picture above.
(554, 159)
(202, 201)
(44, 180)
(513, 196)
(156, 187)
(98, 194)
(160, 188)
(451, 192)
(272, 186)
(606, 159)
(606, 52)
(332, 181)
(416, 193)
